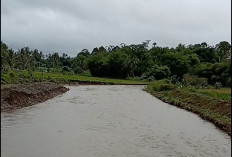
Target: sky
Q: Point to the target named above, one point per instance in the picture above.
(68, 26)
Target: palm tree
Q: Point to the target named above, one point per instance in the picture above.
(55, 59)
(25, 59)
(223, 49)
(131, 64)
(9, 59)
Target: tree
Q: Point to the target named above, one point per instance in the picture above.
(223, 49)
(178, 64)
(131, 64)
(55, 60)
(85, 53)
(25, 59)
(8, 57)
(156, 72)
(80, 63)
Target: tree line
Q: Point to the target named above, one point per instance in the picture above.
(195, 63)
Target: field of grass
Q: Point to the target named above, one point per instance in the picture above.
(221, 94)
(24, 77)
(210, 104)
(67, 78)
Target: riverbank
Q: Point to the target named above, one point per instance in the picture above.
(22, 95)
(207, 106)
(23, 77)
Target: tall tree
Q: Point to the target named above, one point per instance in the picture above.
(223, 50)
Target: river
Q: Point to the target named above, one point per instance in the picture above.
(104, 121)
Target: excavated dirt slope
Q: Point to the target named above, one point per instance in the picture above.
(29, 94)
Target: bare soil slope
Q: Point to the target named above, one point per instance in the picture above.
(29, 94)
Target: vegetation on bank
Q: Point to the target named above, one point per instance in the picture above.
(11, 78)
(209, 103)
(200, 64)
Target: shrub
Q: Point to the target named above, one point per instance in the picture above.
(66, 68)
(162, 85)
(228, 83)
(60, 80)
(156, 73)
(13, 76)
(194, 80)
(5, 79)
(193, 90)
(78, 70)
(218, 85)
(49, 78)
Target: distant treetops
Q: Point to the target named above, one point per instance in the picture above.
(122, 61)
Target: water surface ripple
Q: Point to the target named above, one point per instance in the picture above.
(104, 121)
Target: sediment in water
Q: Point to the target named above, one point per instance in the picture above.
(190, 101)
(29, 94)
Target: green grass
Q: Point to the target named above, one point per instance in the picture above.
(221, 94)
(58, 77)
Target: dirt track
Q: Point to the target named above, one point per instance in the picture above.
(29, 94)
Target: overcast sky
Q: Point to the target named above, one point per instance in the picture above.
(72, 25)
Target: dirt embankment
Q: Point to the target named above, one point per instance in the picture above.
(29, 94)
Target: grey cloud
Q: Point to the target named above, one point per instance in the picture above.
(71, 25)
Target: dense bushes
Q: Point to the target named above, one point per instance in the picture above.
(194, 80)
(156, 73)
(162, 85)
(198, 64)
(111, 65)
(218, 72)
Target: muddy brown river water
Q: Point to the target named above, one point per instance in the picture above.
(104, 121)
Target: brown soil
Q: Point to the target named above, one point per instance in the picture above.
(29, 94)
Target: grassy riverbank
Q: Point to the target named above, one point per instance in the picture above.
(13, 79)
(211, 104)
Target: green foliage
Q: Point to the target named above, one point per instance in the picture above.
(156, 73)
(218, 85)
(5, 79)
(221, 93)
(13, 76)
(199, 61)
(205, 53)
(98, 65)
(228, 83)
(78, 70)
(162, 85)
(223, 50)
(194, 80)
(219, 72)
(178, 64)
(66, 69)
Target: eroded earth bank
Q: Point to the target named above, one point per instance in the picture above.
(29, 94)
